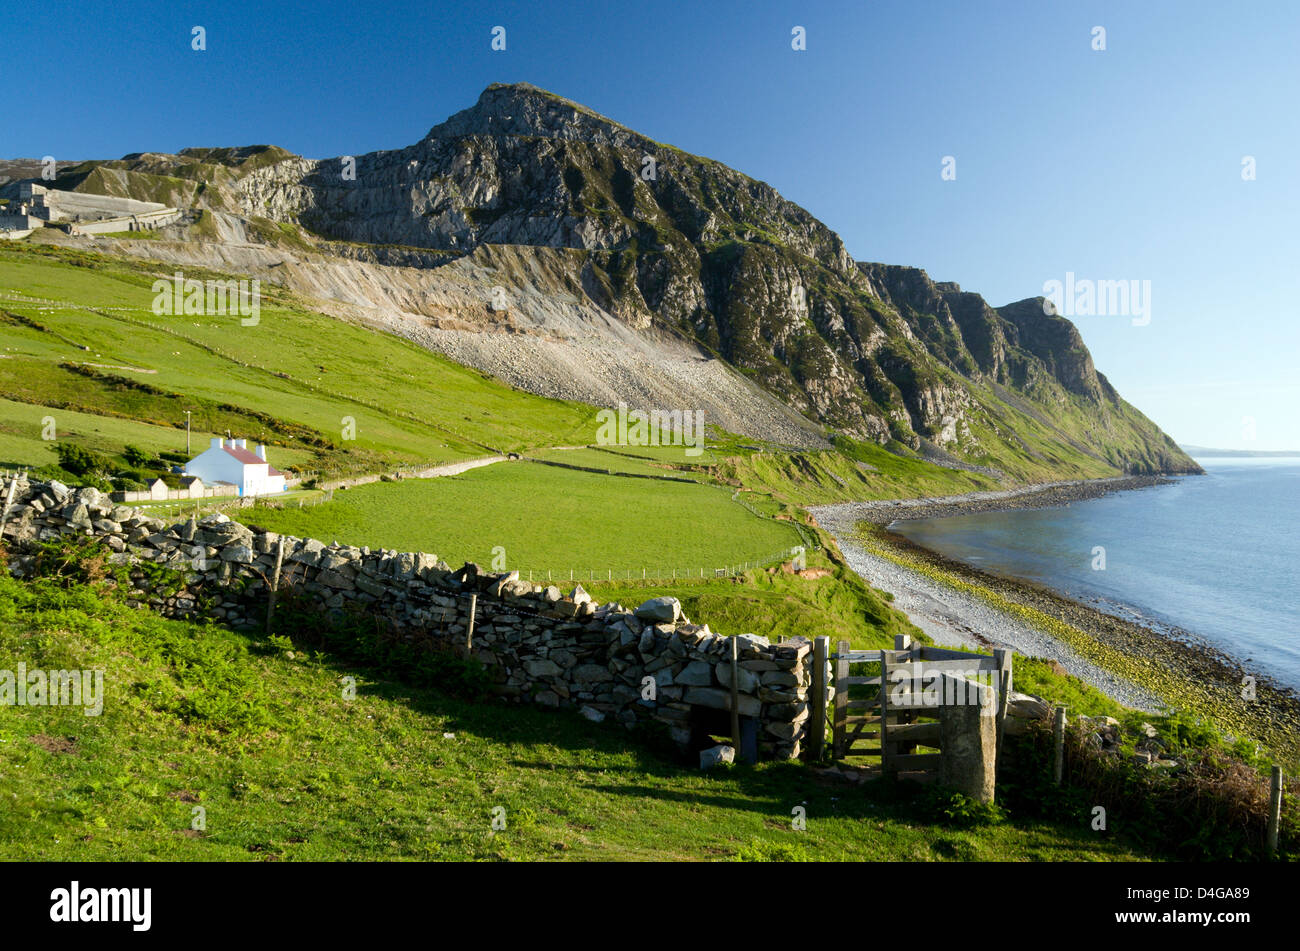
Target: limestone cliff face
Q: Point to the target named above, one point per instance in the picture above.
(679, 247)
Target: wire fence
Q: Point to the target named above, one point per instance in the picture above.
(805, 537)
(656, 573)
(200, 507)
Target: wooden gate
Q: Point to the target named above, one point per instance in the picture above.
(879, 717)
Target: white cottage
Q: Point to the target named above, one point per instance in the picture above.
(230, 461)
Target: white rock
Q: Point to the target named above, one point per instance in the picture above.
(716, 755)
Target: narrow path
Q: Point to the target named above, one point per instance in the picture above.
(456, 468)
(433, 472)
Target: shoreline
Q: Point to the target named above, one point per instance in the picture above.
(957, 604)
(1038, 495)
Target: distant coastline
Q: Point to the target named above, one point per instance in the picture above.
(1204, 453)
(1035, 496)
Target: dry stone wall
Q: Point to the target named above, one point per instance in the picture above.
(541, 645)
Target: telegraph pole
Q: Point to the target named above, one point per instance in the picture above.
(187, 432)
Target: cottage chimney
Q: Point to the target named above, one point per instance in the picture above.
(216, 442)
(241, 443)
(261, 452)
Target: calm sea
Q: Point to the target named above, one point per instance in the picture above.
(1216, 555)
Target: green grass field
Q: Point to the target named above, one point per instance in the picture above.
(639, 460)
(260, 738)
(544, 517)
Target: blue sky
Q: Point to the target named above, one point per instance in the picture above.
(1122, 164)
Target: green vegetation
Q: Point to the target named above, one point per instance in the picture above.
(130, 235)
(545, 517)
(258, 734)
(296, 380)
(870, 472)
(779, 605)
(202, 715)
(651, 461)
(1212, 807)
(79, 461)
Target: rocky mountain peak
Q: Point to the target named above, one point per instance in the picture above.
(522, 109)
(697, 258)
(1058, 344)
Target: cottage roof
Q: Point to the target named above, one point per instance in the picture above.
(251, 459)
(244, 456)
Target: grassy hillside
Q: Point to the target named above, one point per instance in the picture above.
(82, 347)
(258, 735)
(858, 471)
(80, 339)
(79, 334)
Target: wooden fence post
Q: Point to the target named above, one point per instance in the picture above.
(884, 712)
(469, 628)
(902, 642)
(9, 501)
(275, 583)
(1058, 737)
(841, 699)
(1003, 660)
(735, 696)
(817, 716)
(1274, 809)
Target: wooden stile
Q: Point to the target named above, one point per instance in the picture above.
(925, 734)
(884, 714)
(905, 714)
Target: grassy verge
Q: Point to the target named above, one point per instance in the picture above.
(779, 605)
